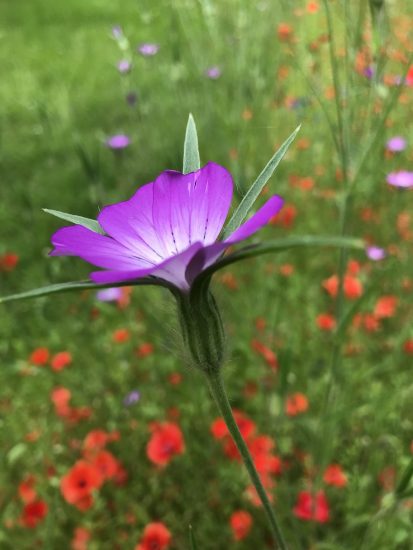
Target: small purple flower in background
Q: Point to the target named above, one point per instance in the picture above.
(119, 141)
(375, 253)
(213, 72)
(369, 72)
(147, 49)
(117, 32)
(109, 294)
(131, 99)
(124, 66)
(132, 398)
(403, 178)
(168, 229)
(396, 144)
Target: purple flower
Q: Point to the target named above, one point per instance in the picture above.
(119, 141)
(117, 32)
(124, 66)
(213, 72)
(109, 294)
(369, 72)
(148, 49)
(396, 144)
(132, 398)
(375, 253)
(403, 178)
(168, 229)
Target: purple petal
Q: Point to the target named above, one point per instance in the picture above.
(172, 269)
(403, 178)
(131, 224)
(209, 254)
(376, 253)
(94, 248)
(191, 208)
(119, 141)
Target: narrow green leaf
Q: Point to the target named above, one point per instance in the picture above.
(79, 220)
(192, 542)
(253, 192)
(191, 152)
(79, 285)
(278, 245)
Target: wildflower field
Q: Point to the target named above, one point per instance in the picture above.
(115, 427)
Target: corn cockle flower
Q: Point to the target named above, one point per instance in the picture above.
(167, 230)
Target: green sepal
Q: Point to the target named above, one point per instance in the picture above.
(93, 225)
(192, 161)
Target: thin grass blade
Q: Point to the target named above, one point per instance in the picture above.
(253, 192)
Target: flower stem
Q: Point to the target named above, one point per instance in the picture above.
(219, 394)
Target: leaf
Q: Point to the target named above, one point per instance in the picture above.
(253, 192)
(278, 245)
(16, 453)
(191, 152)
(93, 225)
(79, 285)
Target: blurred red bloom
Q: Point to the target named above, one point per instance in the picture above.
(156, 536)
(241, 523)
(61, 360)
(352, 287)
(33, 513)
(408, 346)
(145, 349)
(121, 335)
(295, 404)
(8, 261)
(79, 483)
(310, 508)
(335, 476)
(80, 539)
(26, 490)
(106, 464)
(61, 397)
(325, 321)
(269, 356)
(387, 478)
(95, 440)
(39, 357)
(166, 442)
(286, 217)
(385, 307)
(284, 31)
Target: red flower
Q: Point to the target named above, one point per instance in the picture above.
(325, 321)
(408, 346)
(77, 485)
(95, 440)
(286, 217)
(33, 513)
(241, 523)
(8, 261)
(144, 349)
(121, 335)
(106, 464)
(385, 307)
(310, 508)
(296, 403)
(166, 442)
(61, 360)
(268, 355)
(39, 357)
(26, 490)
(61, 397)
(80, 539)
(155, 537)
(335, 476)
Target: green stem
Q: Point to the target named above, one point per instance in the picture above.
(405, 479)
(218, 391)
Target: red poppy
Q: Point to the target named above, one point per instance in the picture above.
(26, 490)
(61, 397)
(335, 476)
(33, 513)
(145, 349)
(241, 523)
(95, 440)
(286, 217)
(325, 321)
(166, 442)
(156, 536)
(8, 261)
(61, 360)
(80, 539)
(268, 355)
(385, 307)
(39, 357)
(408, 346)
(295, 404)
(313, 508)
(106, 464)
(79, 483)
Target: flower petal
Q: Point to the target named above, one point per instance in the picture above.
(192, 207)
(94, 248)
(131, 224)
(172, 270)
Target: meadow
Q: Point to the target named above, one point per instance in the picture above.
(109, 437)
